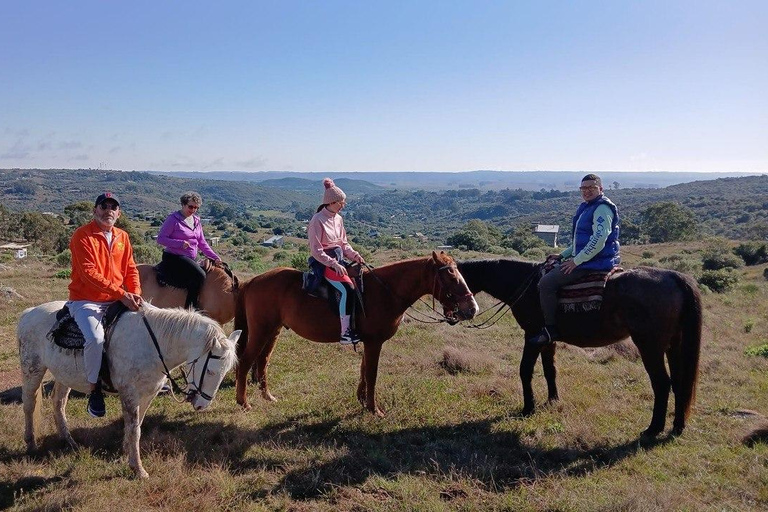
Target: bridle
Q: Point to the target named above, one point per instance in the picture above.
(196, 389)
(441, 317)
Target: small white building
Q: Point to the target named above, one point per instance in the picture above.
(548, 233)
(215, 240)
(274, 241)
(19, 250)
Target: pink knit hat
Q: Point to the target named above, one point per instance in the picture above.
(332, 192)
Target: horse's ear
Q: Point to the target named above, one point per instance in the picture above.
(235, 335)
(434, 257)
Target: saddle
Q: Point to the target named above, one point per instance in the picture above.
(67, 335)
(313, 282)
(165, 278)
(586, 293)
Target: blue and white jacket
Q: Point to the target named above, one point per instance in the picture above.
(595, 235)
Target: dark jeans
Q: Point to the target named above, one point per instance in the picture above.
(185, 269)
(548, 286)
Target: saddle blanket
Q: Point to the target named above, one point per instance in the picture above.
(585, 294)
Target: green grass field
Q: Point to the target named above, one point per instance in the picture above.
(452, 438)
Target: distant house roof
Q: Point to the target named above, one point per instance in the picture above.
(547, 228)
(14, 246)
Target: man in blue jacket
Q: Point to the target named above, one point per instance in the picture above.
(595, 247)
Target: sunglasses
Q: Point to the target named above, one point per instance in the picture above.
(584, 189)
(110, 206)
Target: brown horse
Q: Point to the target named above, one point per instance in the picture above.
(660, 309)
(217, 295)
(274, 300)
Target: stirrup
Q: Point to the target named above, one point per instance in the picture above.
(546, 336)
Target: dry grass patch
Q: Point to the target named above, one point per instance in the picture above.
(457, 360)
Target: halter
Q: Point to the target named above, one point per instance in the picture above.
(196, 389)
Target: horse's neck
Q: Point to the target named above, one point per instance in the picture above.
(177, 345)
(498, 278)
(407, 280)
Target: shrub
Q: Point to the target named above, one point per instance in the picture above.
(280, 256)
(63, 274)
(534, 254)
(648, 255)
(686, 266)
(753, 253)
(647, 263)
(760, 350)
(146, 253)
(720, 281)
(717, 261)
(765, 273)
(299, 261)
(64, 258)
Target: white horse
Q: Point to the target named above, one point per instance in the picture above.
(135, 367)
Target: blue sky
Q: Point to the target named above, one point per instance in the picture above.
(384, 86)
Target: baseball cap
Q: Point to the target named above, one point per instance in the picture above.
(106, 195)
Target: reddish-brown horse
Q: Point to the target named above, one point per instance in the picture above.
(274, 300)
(217, 295)
(660, 309)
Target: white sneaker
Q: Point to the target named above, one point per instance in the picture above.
(349, 337)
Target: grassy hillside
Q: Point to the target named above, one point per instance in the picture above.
(452, 438)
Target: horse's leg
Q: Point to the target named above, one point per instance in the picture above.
(31, 396)
(132, 434)
(60, 395)
(258, 337)
(550, 371)
(361, 386)
(653, 360)
(674, 358)
(262, 361)
(371, 354)
(527, 364)
(143, 406)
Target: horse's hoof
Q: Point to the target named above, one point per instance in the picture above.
(268, 396)
(141, 473)
(245, 407)
(677, 431)
(378, 413)
(527, 411)
(650, 433)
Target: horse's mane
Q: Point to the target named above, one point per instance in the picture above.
(173, 321)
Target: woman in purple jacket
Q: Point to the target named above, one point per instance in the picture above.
(182, 235)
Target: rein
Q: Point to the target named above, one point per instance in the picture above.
(518, 294)
(174, 386)
(429, 318)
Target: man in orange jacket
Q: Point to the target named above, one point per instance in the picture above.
(103, 271)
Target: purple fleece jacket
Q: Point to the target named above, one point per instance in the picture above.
(174, 232)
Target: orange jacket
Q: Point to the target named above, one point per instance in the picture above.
(98, 273)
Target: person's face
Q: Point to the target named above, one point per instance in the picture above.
(336, 206)
(106, 214)
(590, 189)
(190, 208)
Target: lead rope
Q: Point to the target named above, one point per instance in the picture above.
(430, 319)
(174, 387)
(519, 293)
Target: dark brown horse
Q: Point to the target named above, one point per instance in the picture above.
(217, 295)
(274, 300)
(659, 309)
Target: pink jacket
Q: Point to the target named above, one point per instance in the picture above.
(326, 231)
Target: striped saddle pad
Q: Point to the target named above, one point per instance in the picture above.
(586, 294)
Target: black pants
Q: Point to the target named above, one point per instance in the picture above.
(183, 269)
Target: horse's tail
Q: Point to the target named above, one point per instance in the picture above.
(690, 348)
(241, 320)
